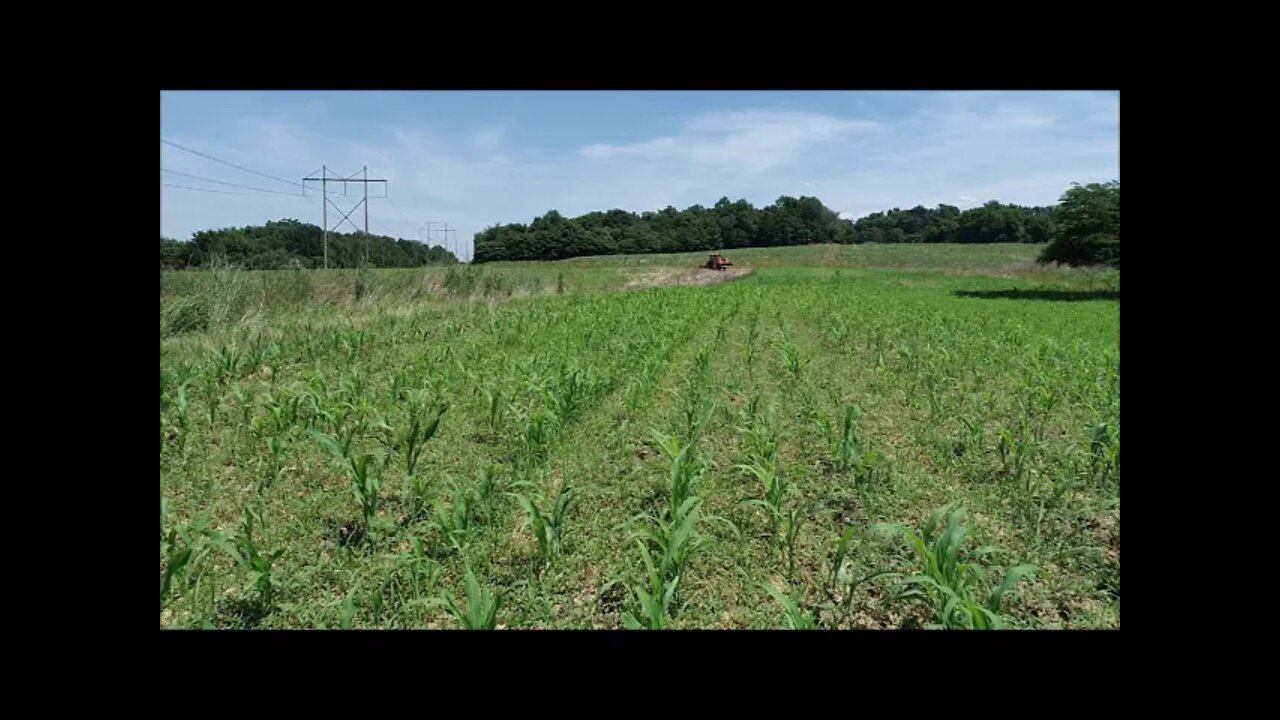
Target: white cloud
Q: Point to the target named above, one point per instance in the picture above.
(751, 141)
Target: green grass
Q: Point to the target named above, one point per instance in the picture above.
(538, 445)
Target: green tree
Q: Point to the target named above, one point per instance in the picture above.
(290, 243)
(1087, 223)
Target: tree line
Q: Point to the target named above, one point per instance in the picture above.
(1082, 229)
(291, 243)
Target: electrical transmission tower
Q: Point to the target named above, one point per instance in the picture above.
(324, 181)
(443, 232)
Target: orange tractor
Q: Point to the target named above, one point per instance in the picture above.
(717, 262)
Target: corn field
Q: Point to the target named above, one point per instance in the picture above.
(805, 447)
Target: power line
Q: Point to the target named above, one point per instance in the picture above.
(238, 167)
(220, 182)
(400, 212)
(221, 192)
(224, 162)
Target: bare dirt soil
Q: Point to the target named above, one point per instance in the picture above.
(678, 276)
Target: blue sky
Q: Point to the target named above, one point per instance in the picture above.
(474, 159)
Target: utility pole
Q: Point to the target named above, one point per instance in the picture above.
(325, 202)
(444, 233)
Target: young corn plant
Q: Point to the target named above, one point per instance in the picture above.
(282, 412)
(791, 531)
(548, 528)
(789, 355)
(277, 446)
(686, 467)
(492, 483)
(347, 613)
(184, 417)
(653, 602)
(569, 398)
(797, 619)
(761, 432)
(494, 407)
(481, 609)
(362, 473)
(1015, 449)
(176, 558)
(947, 583)
(539, 431)
(211, 389)
(848, 450)
(185, 550)
(776, 490)
(453, 519)
(244, 400)
(182, 548)
(702, 366)
(1104, 450)
(975, 436)
(837, 561)
(675, 535)
(692, 413)
(262, 580)
(841, 575)
(422, 427)
(423, 571)
(228, 361)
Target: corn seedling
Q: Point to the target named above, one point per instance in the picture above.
(547, 528)
(1014, 452)
(702, 366)
(276, 447)
(184, 417)
(422, 427)
(185, 550)
(791, 530)
(481, 609)
(789, 355)
(228, 361)
(492, 482)
(539, 430)
(797, 619)
(177, 556)
(494, 407)
(946, 582)
(776, 490)
(212, 394)
(454, 518)
(363, 476)
(245, 402)
(761, 433)
(974, 435)
(1104, 450)
(841, 575)
(692, 413)
(261, 578)
(654, 601)
(283, 412)
(423, 572)
(837, 561)
(686, 467)
(347, 613)
(677, 537)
